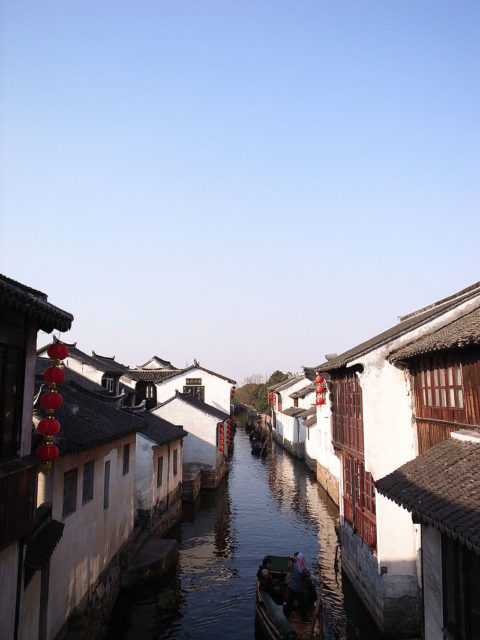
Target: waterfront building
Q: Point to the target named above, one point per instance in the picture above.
(441, 488)
(288, 408)
(85, 507)
(103, 370)
(206, 445)
(373, 434)
(23, 312)
(158, 381)
(158, 474)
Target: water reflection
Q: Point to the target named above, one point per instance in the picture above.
(270, 505)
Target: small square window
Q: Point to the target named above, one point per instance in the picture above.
(70, 492)
(126, 459)
(88, 476)
(159, 471)
(106, 485)
(175, 462)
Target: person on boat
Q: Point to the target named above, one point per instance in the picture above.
(297, 587)
(264, 576)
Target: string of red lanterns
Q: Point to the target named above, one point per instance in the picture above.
(320, 390)
(221, 437)
(51, 400)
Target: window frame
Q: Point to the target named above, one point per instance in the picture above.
(70, 477)
(88, 482)
(106, 485)
(175, 462)
(126, 459)
(159, 471)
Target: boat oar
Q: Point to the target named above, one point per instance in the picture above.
(318, 613)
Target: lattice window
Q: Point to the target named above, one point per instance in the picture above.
(126, 458)
(70, 492)
(88, 480)
(441, 387)
(159, 471)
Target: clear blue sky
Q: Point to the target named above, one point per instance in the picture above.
(250, 183)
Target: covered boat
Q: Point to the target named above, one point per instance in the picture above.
(269, 615)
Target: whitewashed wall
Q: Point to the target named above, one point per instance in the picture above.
(147, 491)
(92, 534)
(285, 393)
(311, 441)
(217, 390)
(325, 454)
(432, 583)
(200, 446)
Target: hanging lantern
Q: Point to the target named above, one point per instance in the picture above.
(54, 375)
(320, 400)
(48, 426)
(51, 400)
(47, 452)
(57, 351)
(320, 389)
(319, 380)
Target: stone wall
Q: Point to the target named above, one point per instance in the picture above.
(393, 600)
(211, 477)
(89, 620)
(328, 481)
(192, 482)
(311, 463)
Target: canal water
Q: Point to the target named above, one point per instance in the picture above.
(272, 505)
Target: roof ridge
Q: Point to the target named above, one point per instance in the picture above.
(459, 294)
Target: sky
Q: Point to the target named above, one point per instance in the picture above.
(250, 183)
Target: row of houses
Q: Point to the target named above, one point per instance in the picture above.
(391, 428)
(67, 534)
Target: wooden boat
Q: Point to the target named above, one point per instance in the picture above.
(269, 616)
(259, 448)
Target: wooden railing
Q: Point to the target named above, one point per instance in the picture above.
(18, 483)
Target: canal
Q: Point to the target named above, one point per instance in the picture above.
(272, 505)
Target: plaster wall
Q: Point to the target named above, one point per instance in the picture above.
(311, 441)
(307, 401)
(396, 539)
(8, 591)
(325, 452)
(200, 446)
(432, 583)
(85, 370)
(30, 609)
(217, 390)
(92, 534)
(170, 480)
(144, 473)
(285, 393)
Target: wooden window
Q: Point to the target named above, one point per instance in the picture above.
(159, 471)
(175, 462)
(196, 391)
(106, 485)
(107, 383)
(126, 459)
(461, 590)
(441, 387)
(359, 499)
(70, 492)
(194, 381)
(88, 478)
(348, 414)
(12, 373)
(150, 392)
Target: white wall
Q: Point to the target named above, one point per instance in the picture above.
(92, 534)
(147, 493)
(432, 583)
(200, 446)
(325, 454)
(217, 390)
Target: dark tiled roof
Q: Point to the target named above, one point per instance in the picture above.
(293, 411)
(309, 422)
(198, 404)
(213, 373)
(463, 332)
(43, 543)
(303, 392)
(441, 488)
(101, 363)
(150, 375)
(89, 419)
(407, 323)
(280, 386)
(34, 304)
(309, 412)
(159, 361)
(162, 431)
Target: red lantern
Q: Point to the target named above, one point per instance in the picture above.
(54, 375)
(320, 400)
(57, 351)
(47, 452)
(51, 400)
(320, 389)
(319, 379)
(48, 426)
